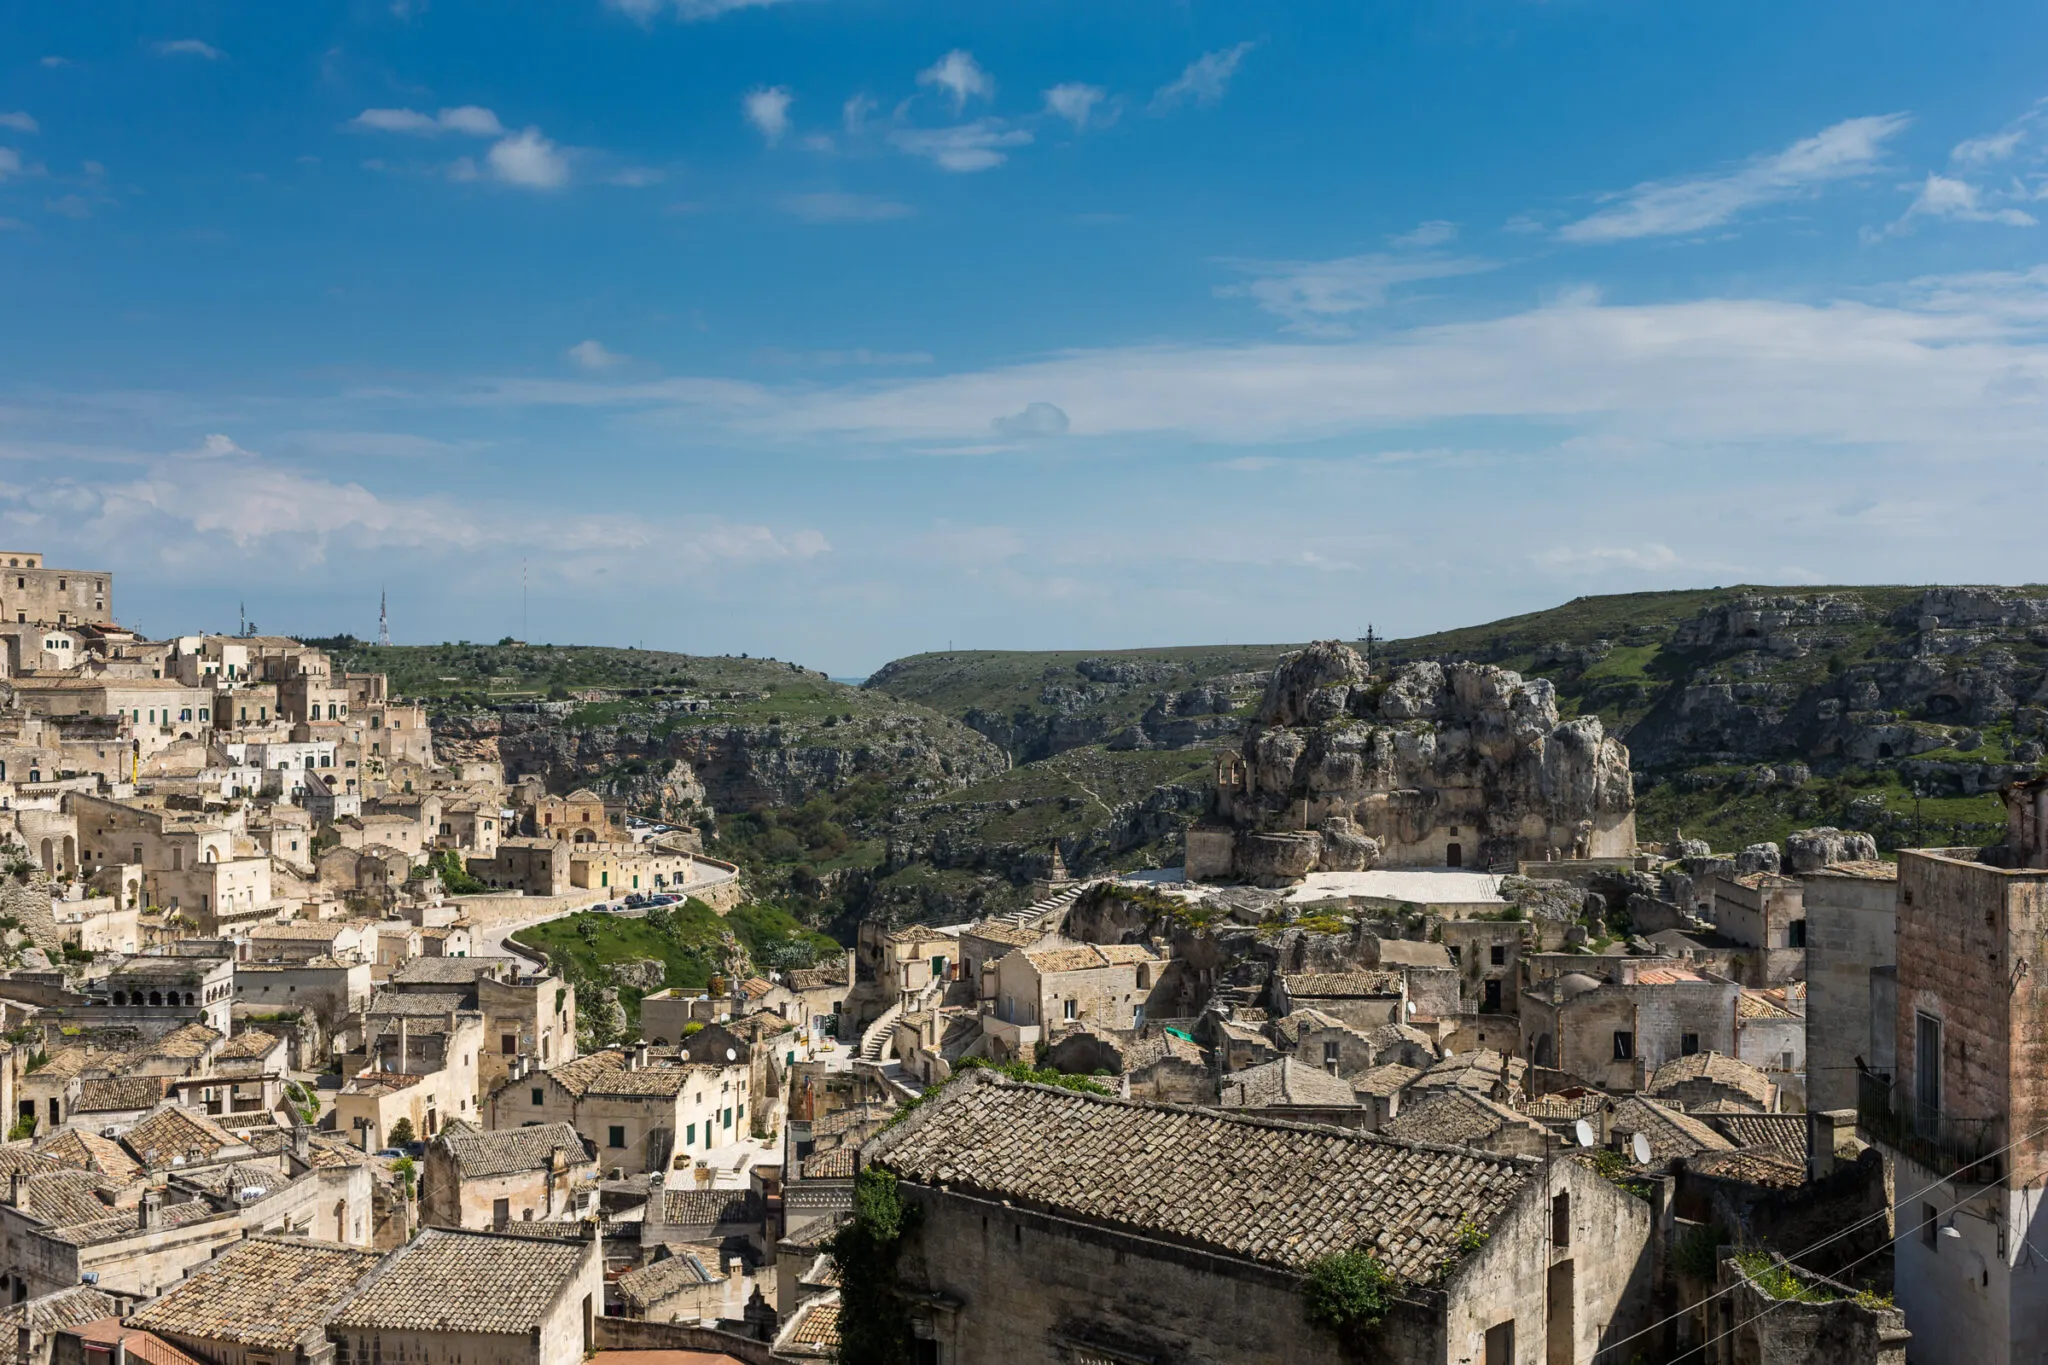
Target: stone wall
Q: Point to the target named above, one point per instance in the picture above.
(1765, 1330)
(628, 1334)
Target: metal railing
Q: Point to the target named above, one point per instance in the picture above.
(1947, 1144)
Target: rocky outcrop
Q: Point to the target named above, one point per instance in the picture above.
(1461, 764)
(1808, 850)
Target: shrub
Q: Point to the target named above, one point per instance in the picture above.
(1349, 1293)
(401, 1133)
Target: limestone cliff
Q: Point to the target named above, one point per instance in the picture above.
(1437, 765)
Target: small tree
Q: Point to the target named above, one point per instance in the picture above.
(1349, 1293)
(401, 1133)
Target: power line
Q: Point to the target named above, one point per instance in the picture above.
(1831, 1237)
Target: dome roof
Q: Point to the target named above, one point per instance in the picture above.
(1573, 984)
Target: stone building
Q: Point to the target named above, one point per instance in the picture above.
(32, 592)
(1056, 1225)
(639, 1115)
(266, 1299)
(1704, 1079)
(1363, 1000)
(1766, 912)
(1459, 1118)
(673, 1289)
(1964, 1116)
(1613, 1034)
(475, 1298)
(1851, 930)
(537, 866)
(1107, 985)
(475, 1178)
(581, 817)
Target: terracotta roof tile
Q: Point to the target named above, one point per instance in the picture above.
(503, 1151)
(266, 1293)
(1288, 1081)
(451, 1281)
(1278, 1193)
(1342, 985)
(650, 1284)
(1716, 1067)
(1456, 1118)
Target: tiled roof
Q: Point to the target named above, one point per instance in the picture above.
(656, 1082)
(1341, 985)
(82, 1148)
(819, 1327)
(576, 1076)
(121, 1226)
(416, 1004)
(1782, 1133)
(1288, 1081)
(537, 1227)
(61, 1197)
(248, 1045)
(1671, 1133)
(1477, 1070)
(1456, 1118)
(1088, 957)
(138, 1345)
(997, 931)
(1752, 1166)
(707, 1208)
(267, 1293)
(836, 1164)
(1716, 1067)
(451, 1281)
(650, 1284)
(1381, 1081)
(230, 1179)
(116, 1093)
(447, 971)
(1564, 1106)
(48, 1312)
(1397, 952)
(505, 1150)
(318, 931)
(174, 1132)
(1279, 1193)
(1668, 976)
(1161, 1047)
(856, 1116)
(1757, 1005)
(818, 978)
(187, 1042)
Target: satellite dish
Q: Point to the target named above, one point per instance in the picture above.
(731, 1055)
(1582, 1133)
(1640, 1146)
(1411, 1007)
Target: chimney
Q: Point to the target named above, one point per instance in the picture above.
(149, 1211)
(15, 1182)
(367, 1135)
(1827, 1130)
(120, 1354)
(1627, 972)
(640, 1056)
(401, 1042)
(302, 1142)
(735, 1268)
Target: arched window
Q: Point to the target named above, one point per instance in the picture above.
(156, 998)
(188, 997)
(120, 997)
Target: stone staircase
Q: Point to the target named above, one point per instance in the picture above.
(1040, 914)
(878, 1042)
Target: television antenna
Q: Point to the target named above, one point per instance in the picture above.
(383, 616)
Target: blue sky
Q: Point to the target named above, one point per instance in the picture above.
(836, 331)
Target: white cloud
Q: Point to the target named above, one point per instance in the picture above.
(386, 445)
(854, 114)
(1673, 207)
(2001, 145)
(468, 118)
(768, 110)
(189, 47)
(1074, 101)
(1649, 557)
(592, 355)
(10, 162)
(1313, 295)
(528, 160)
(20, 122)
(54, 62)
(1960, 201)
(1204, 81)
(959, 75)
(689, 11)
(830, 206)
(1435, 232)
(975, 146)
(70, 205)
(636, 177)
(1036, 420)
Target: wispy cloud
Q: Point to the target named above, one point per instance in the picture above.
(189, 47)
(960, 76)
(831, 206)
(593, 356)
(1074, 102)
(1435, 232)
(1959, 201)
(976, 146)
(20, 122)
(689, 11)
(2003, 144)
(1667, 208)
(1205, 80)
(1648, 557)
(10, 162)
(1315, 295)
(470, 119)
(767, 108)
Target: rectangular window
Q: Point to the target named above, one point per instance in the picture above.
(1500, 1343)
(508, 1043)
(690, 1135)
(1926, 1071)
(1688, 1044)
(501, 1212)
(1624, 1046)
(616, 1137)
(1072, 1009)
(537, 1099)
(1332, 1053)
(1930, 1227)
(1795, 934)
(728, 1118)
(1561, 1220)
(1499, 957)
(1491, 1001)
